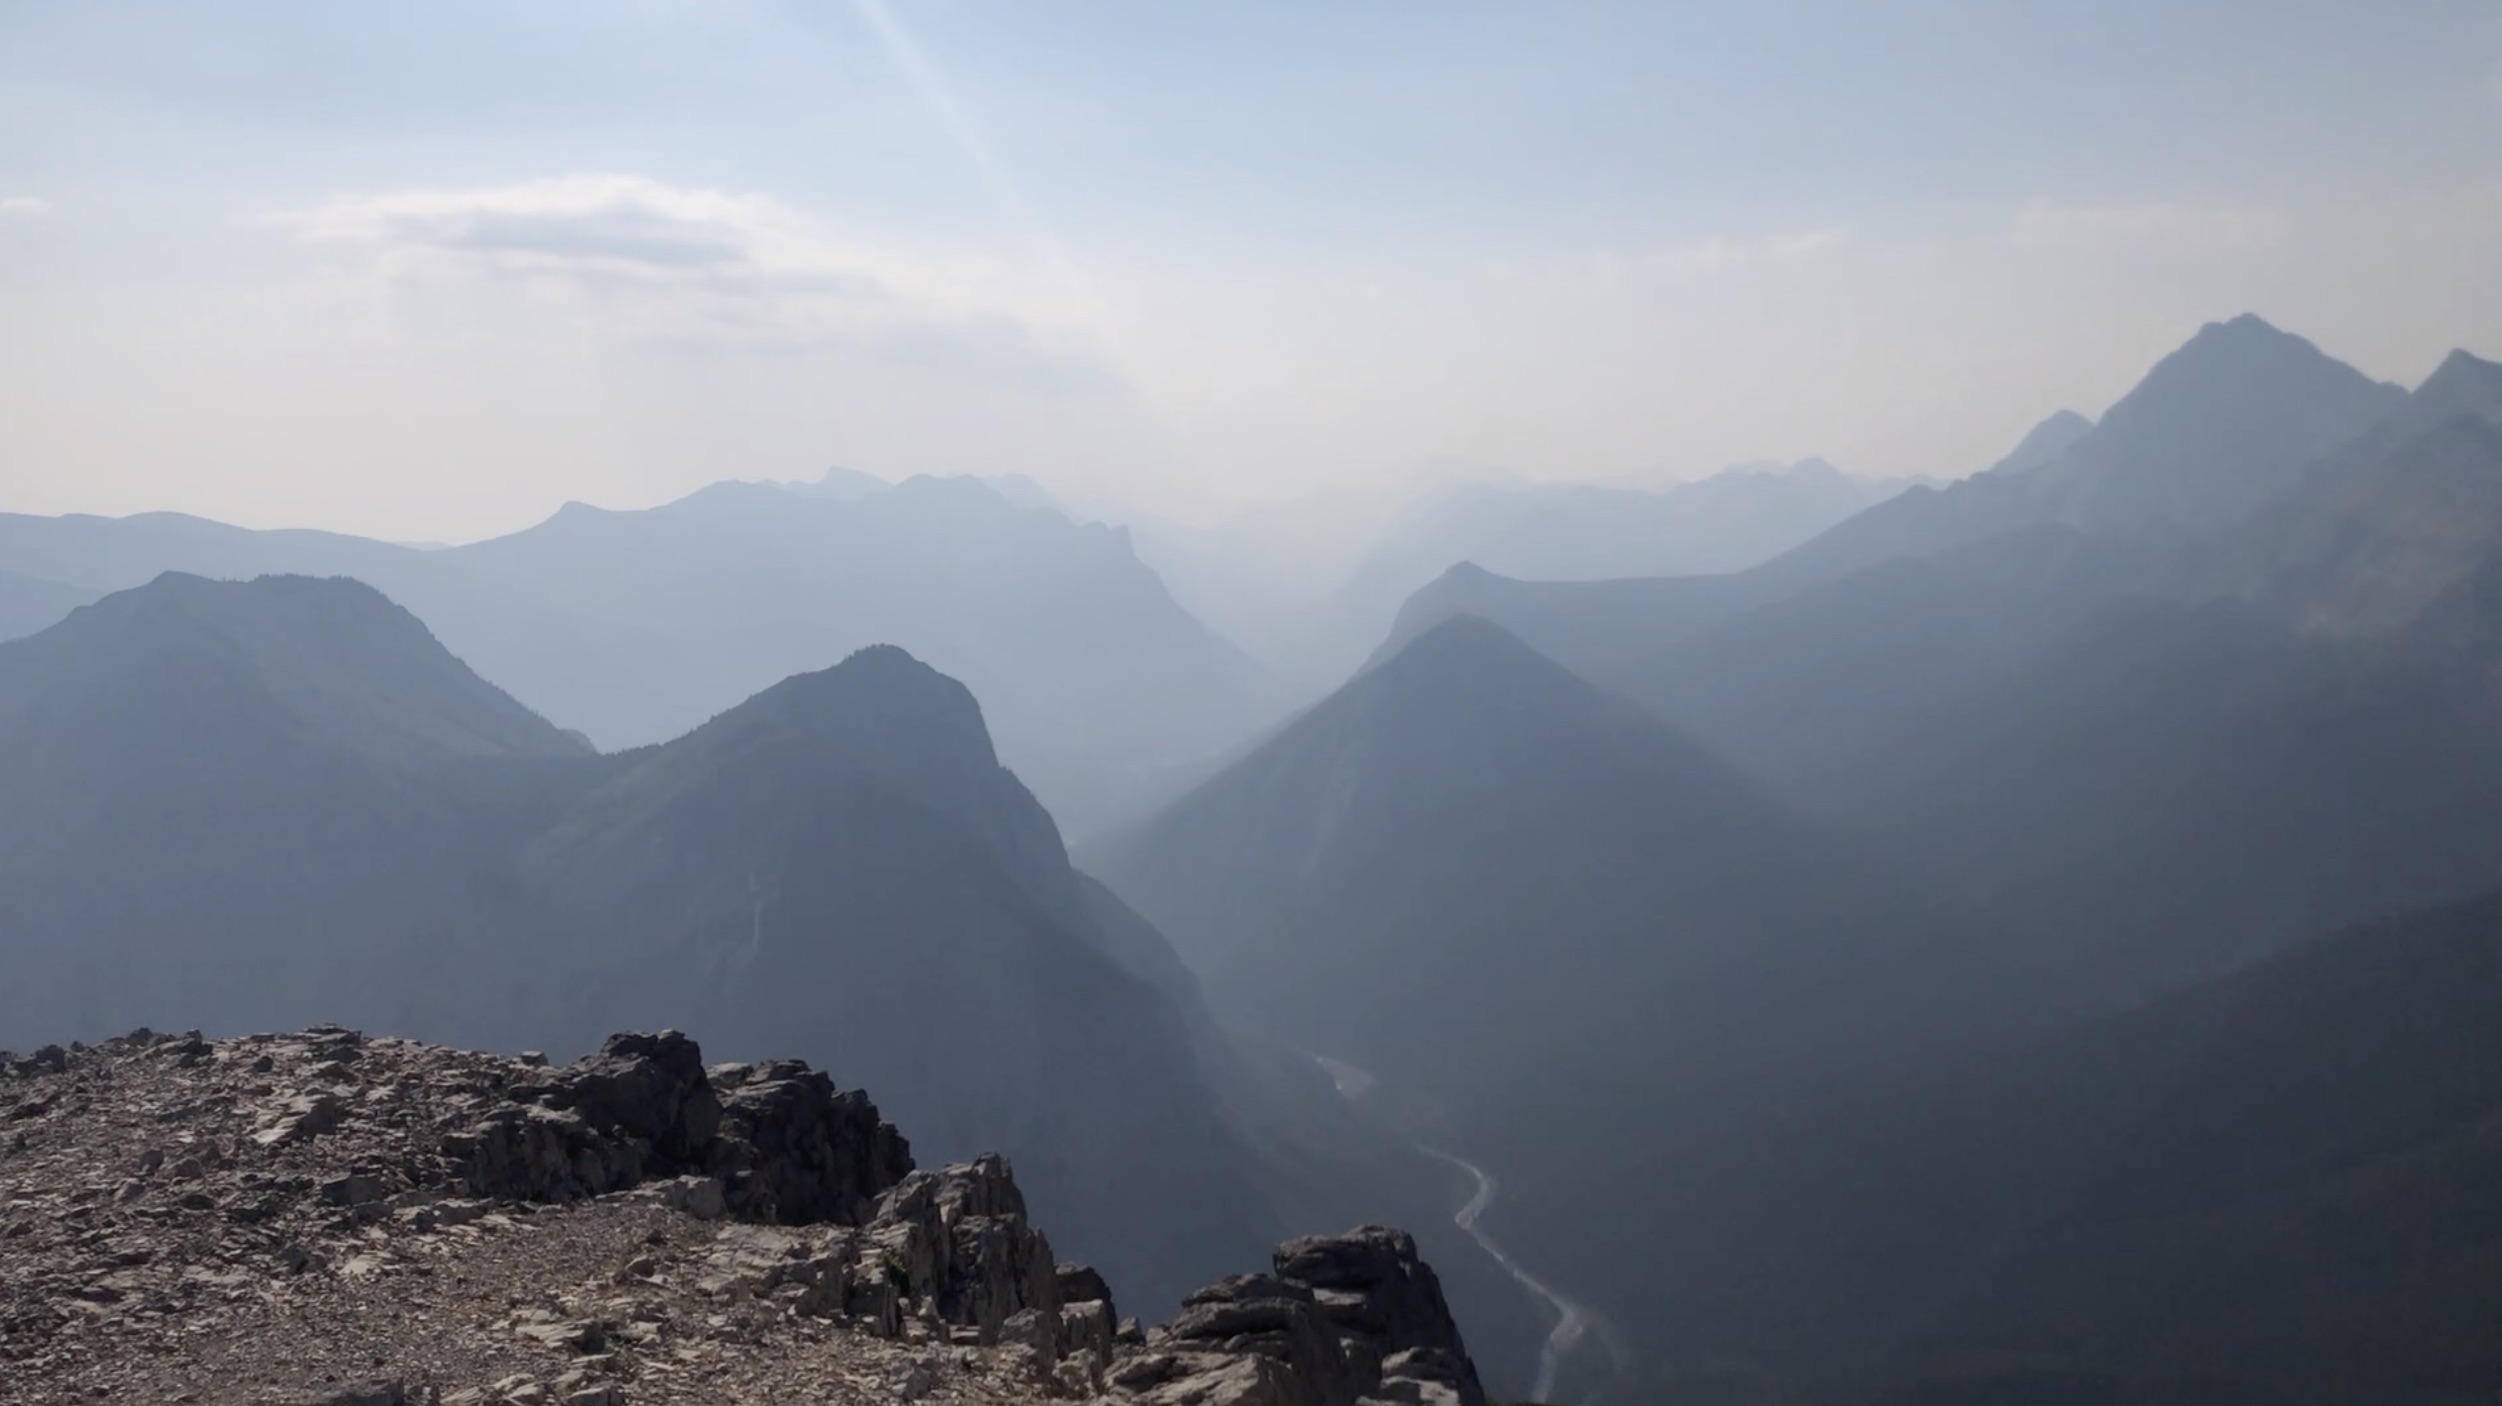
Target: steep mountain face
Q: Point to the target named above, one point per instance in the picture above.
(2162, 759)
(2232, 420)
(636, 626)
(211, 783)
(1601, 630)
(1797, 691)
(2269, 1189)
(2215, 431)
(2168, 790)
(840, 866)
(342, 661)
(2393, 536)
(2145, 751)
(241, 805)
(2212, 433)
(2316, 1149)
(1598, 951)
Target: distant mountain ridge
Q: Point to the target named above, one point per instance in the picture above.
(2293, 650)
(2395, 529)
(2232, 418)
(1308, 588)
(236, 803)
(29, 603)
(2156, 702)
(343, 658)
(635, 626)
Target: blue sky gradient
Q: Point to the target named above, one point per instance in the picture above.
(429, 271)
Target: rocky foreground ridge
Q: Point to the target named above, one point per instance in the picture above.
(325, 1218)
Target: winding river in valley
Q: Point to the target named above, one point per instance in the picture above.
(1575, 1323)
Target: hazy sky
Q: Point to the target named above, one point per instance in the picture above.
(428, 270)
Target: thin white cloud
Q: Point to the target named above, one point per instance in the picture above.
(24, 207)
(2155, 229)
(1722, 255)
(654, 262)
(1815, 243)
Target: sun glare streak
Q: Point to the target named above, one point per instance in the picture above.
(1087, 308)
(961, 128)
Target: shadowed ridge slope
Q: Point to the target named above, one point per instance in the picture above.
(255, 801)
(346, 663)
(245, 806)
(1532, 907)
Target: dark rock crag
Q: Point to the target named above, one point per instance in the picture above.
(1339, 1319)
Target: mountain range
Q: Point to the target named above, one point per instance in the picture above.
(234, 802)
(2027, 939)
(1309, 587)
(1571, 941)
(632, 627)
(2118, 728)
(2159, 732)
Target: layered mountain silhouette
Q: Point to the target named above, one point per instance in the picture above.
(2394, 535)
(2234, 417)
(1597, 952)
(2210, 681)
(240, 805)
(633, 627)
(2213, 432)
(1310, 587)
(29, 603)
(1888, 969)
(1577, 532)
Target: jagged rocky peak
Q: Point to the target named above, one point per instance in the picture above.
(322, 1217)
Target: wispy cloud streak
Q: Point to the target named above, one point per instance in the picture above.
(650, 261)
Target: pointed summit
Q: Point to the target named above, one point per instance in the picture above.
(1470, 649)
(2219, 427)
(879, 700)
(2228, 422)
(1485, 840)
(2043, 444)
(885, 717)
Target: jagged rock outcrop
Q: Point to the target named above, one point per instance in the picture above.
(323, 1217)
(794, 1149)
(1341, 1319)
(784, 1144)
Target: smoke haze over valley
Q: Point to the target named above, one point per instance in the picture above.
(1678, 706)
